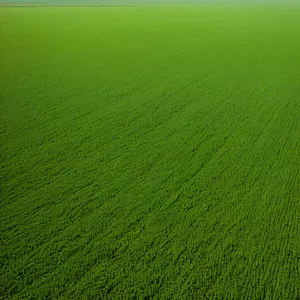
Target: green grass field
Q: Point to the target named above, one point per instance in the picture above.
(150, 152)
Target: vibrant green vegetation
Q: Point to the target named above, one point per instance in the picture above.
(150, 152)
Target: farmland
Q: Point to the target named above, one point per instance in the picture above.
(150, 152)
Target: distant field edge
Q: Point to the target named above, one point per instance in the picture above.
(64, 5)
(143, 3)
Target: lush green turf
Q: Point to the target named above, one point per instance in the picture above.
(150, 152)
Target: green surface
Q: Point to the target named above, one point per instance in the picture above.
(150, 152)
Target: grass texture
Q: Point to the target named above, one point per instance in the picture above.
(150, 152)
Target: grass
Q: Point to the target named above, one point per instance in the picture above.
(150, 152)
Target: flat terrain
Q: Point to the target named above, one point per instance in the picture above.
(150, 152)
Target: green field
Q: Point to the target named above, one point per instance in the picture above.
(150, 152)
